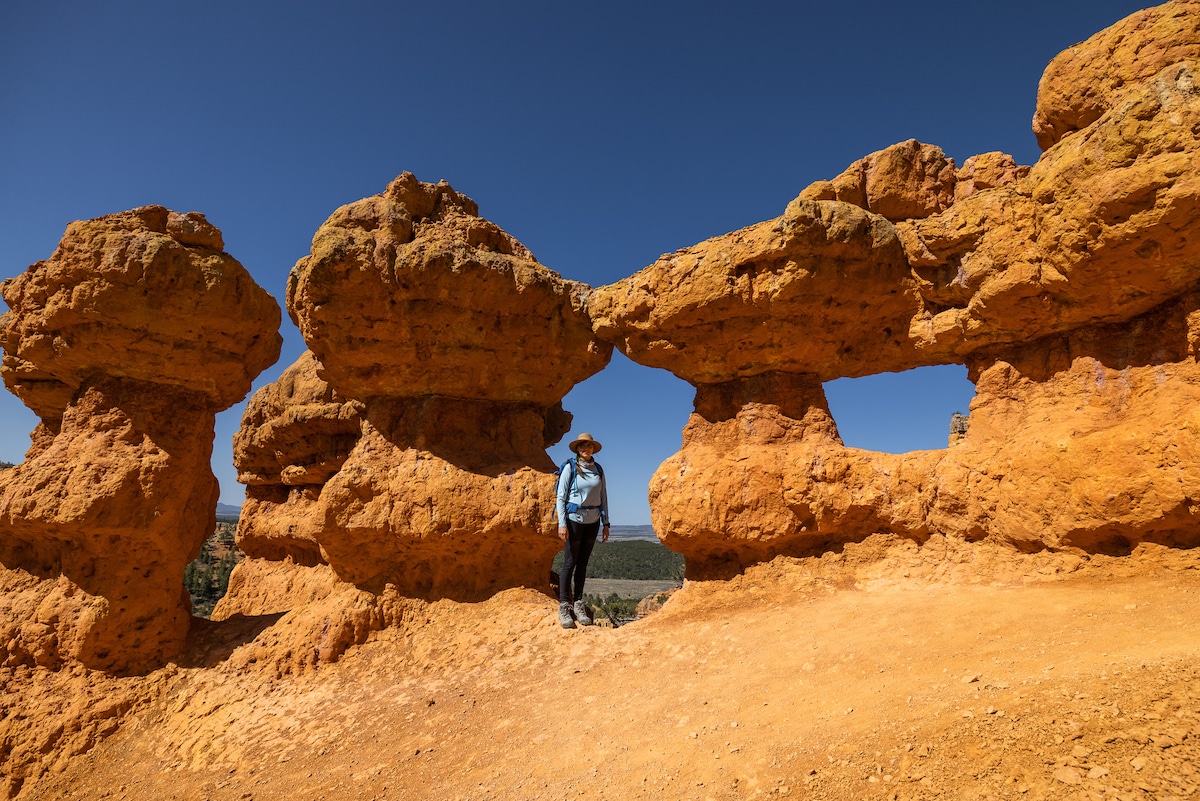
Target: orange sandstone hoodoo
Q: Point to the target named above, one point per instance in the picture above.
(407, 450)
(125, 342)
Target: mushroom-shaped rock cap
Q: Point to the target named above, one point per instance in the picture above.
(1085, 81)
(823, 289)
(410, 293)
(146, 294)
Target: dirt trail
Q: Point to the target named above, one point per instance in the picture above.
(840, 678)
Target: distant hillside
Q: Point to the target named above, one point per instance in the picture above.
(632, 533)
(207, 578)
(226, 510)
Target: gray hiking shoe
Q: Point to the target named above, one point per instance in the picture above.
(581, 614)
(564, 616)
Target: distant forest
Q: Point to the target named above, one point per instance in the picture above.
(207, 578)
(640, 560)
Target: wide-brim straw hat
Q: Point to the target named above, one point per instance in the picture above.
(585, 437)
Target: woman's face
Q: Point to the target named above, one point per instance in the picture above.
(585, 449)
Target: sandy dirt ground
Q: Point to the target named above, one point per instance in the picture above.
(894, 673)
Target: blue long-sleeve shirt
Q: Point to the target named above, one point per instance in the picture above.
(589, 493)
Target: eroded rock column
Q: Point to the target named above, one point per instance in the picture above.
(125, 342)
(410, 444)
(296, 434)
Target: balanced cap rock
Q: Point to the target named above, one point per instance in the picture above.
(440, 353)
(125, 342)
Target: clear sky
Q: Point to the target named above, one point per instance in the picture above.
(600, 135)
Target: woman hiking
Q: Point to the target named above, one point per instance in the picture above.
(582, 506)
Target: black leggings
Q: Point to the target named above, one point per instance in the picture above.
(581, 538)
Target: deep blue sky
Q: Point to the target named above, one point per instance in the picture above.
(600, 135)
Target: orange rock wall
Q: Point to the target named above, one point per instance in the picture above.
(1089, 79)
(1088, 441)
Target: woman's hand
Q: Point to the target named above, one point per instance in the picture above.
(562, 533)
(605, 535)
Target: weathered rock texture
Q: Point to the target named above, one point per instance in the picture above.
(1088, 80)
(1066, 288)
(1089, 440)
(296, 434)
(408, 450)
(410, 294)
(125, 342)
(911, 180)
(147, 295)
(789, 294)
(906, 180)
(1103, 229)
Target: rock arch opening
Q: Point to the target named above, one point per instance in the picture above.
(638, 414)
(900, 412)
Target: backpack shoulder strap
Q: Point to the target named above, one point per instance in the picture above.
(568, 465)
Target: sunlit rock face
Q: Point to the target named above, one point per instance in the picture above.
(1065, 287)
(1089, 440)
(1103, 229)
(408, 450)
(296, 433)
(125, 342)
(907, 180)
(790, 294)
(1090, 79)
(411, 294)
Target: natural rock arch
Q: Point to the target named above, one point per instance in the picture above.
(411, 440)
(1068, 289)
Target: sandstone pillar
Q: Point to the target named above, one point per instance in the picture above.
(126, 342)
